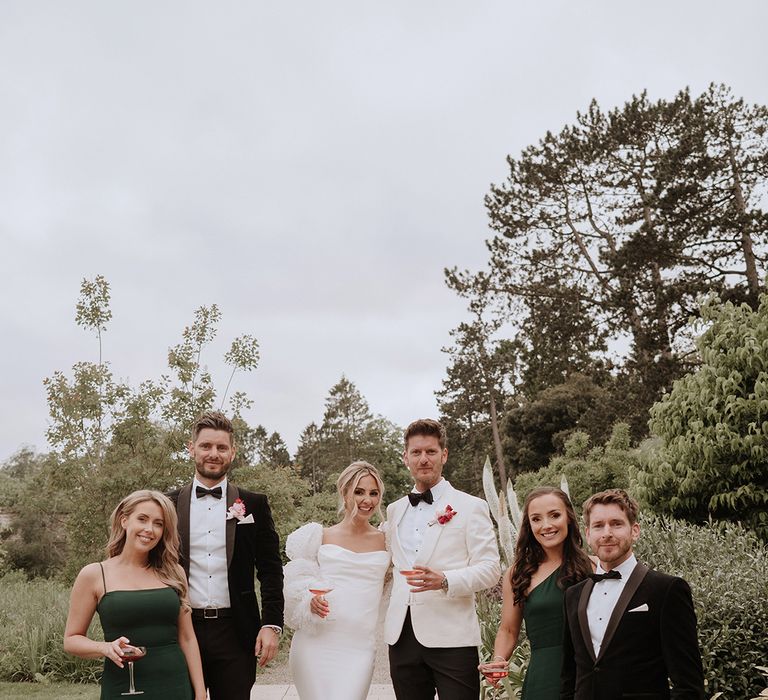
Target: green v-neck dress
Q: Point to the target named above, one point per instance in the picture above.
(148, 618)
(543, 616)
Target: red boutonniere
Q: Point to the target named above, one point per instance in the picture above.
(443, 516)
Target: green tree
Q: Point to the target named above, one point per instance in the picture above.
(475, 391)
(616, 224)
(350, 432)
(535, 429)
(256, 446)
(714, 424)
(110, 438)
(588, 469)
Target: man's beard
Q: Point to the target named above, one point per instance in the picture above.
(222, 468)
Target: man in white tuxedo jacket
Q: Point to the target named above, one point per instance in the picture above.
(444, 539)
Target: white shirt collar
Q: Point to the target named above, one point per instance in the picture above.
(625, 568)
(437, 490)
(222, 483)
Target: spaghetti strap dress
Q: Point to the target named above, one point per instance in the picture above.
(149, 618)
(543, 616)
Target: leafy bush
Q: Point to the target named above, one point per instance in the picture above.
(32, 619)
(727, 569)
(714, 424)
(587, 470)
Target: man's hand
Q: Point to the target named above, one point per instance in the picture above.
(425, 579)
(266, 645)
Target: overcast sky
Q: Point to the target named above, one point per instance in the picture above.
(311, 167)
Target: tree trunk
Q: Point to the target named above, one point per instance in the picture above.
(497, 443)
(753, 280)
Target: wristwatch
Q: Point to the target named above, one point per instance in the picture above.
(277, 630)
(444, 584)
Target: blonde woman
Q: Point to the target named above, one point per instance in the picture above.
(333, 649)
(140, 594)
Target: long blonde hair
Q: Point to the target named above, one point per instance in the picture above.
(350, 478)
(164, 556)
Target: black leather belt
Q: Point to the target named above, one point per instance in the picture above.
(210, 613)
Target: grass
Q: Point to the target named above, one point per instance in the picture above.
(49, 691)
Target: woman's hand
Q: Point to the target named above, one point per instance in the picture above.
(114, 650)
(319, 606)
(498, 664)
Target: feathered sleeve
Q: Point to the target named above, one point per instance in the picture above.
(300, 572)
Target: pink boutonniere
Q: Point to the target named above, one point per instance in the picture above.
(236, 510)
(443, 516)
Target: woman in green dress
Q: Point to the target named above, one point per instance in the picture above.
(548, 558)
(140, 593)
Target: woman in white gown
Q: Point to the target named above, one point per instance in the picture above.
(333, 648)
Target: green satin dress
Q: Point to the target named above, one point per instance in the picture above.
(543, 616)
(148, 618)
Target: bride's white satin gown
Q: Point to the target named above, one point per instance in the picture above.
(334, 660)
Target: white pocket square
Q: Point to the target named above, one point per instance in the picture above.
(248, 520)
(640, 608)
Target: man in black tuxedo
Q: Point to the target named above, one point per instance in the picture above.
(629, 631)
(226, 535)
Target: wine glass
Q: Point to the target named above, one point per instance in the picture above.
(132, 654)
(493, 676)
(320, 587)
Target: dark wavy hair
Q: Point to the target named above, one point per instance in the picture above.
(529, 553)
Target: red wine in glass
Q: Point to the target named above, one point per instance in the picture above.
(131, 654)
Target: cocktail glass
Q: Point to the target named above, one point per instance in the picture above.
(132, 654)
(320, 588)
(493, 676)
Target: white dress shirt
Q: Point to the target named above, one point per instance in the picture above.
(605, 595)
(208, 581)
(415, 522)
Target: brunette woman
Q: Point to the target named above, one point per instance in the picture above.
(548, 558)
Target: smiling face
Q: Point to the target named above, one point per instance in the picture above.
(144, 526)
(610, 534)
(213, 452)
(549, 521)
(425, 459)
(362, 500)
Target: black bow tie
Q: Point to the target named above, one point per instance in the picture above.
(415, 498)
(604, 577)
(201, 492)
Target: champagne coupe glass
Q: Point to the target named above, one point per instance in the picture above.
(493, 676)
(320, 587)
(132, 654)
(410, 571)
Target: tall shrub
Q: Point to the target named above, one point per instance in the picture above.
(727, 569)
(714, 425)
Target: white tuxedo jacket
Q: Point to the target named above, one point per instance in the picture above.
(465, 550)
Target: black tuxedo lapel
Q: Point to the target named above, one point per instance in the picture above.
(232, 495)
(586, 591)
(634, 580)
(182, 510)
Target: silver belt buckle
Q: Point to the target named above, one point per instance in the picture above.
(214, 613)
